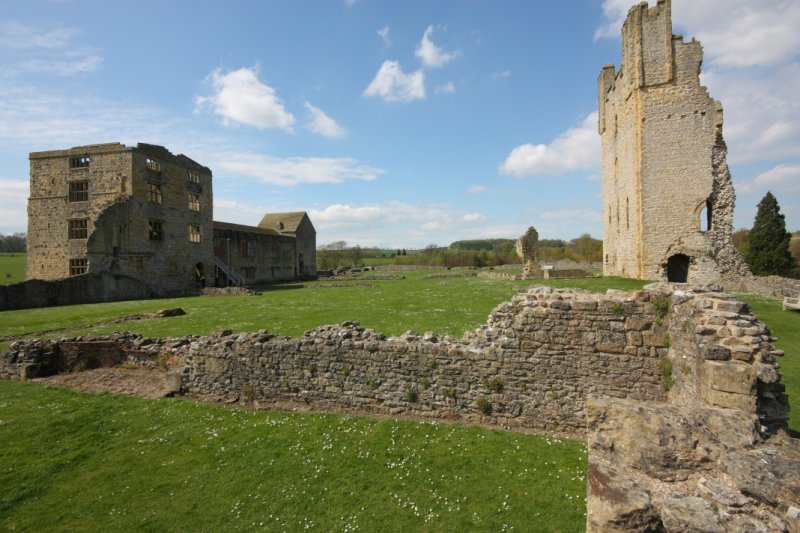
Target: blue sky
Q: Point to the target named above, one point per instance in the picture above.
(393, 123)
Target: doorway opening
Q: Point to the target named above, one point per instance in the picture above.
(678, 268)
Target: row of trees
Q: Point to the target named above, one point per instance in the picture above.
(15, 243)
(472, 253)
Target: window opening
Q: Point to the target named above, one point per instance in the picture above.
(152, 164)
(78, 191)
(194, 233)
(194, 201)
(155, 230)
(154, 193)
(78, 267)
(78, 228)
(80, 162)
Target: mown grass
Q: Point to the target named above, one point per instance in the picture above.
(785, 326)
(445, 305)
(12, 268)
(81, 462)
(102, 462)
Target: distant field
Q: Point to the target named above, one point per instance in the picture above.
(12, 268)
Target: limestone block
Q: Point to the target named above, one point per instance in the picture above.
(616, 503)
(665, 441)
(730, 376)
(690, 513)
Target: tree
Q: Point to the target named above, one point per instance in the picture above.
(331, 256)
(356, 254)
(741, 240)
(768, 250)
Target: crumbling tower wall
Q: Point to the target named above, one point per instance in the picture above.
(667, 194)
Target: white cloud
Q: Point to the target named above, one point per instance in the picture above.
(19, 36)
(393, 85)
(384, 34)
(476, 189)
(577, 148)
(742, 33)
(734, 33)
(762, 112)
(322, 124)
(447, 88)
(431, 55)
(473, 217)
(42, 51)
(781, 178)
(239, 96)
(13, 206)
(38, 119)
(614, 12)
(296, 170)
(501, 74)
(81, 65)
(398, 224)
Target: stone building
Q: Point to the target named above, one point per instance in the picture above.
(668, 198)
(298, 225)
(255, 254)
(141, 212)
(145, 213)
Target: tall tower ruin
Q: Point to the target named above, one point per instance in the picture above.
(667, 194)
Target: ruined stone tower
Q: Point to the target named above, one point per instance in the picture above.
(667, 193)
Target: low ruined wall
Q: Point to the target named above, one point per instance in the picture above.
(89, 288)
(531, 366)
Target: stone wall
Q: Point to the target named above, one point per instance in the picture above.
(532, 365)
(88, 288)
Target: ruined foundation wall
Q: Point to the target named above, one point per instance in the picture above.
(533, 365)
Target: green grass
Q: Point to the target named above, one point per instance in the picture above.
(12, 268)
(82, 462)
(447, 306)
(785, 325)
(104, 462)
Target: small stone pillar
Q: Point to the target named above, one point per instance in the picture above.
(528, 250)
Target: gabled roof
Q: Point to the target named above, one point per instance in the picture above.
(229, 226)
(283, 222)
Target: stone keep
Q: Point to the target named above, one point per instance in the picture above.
(667, 194)
(138, 211)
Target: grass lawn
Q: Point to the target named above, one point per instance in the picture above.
(82, 462)
(12, 268)
(785, 325)
(444, 305)
(103, 462)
